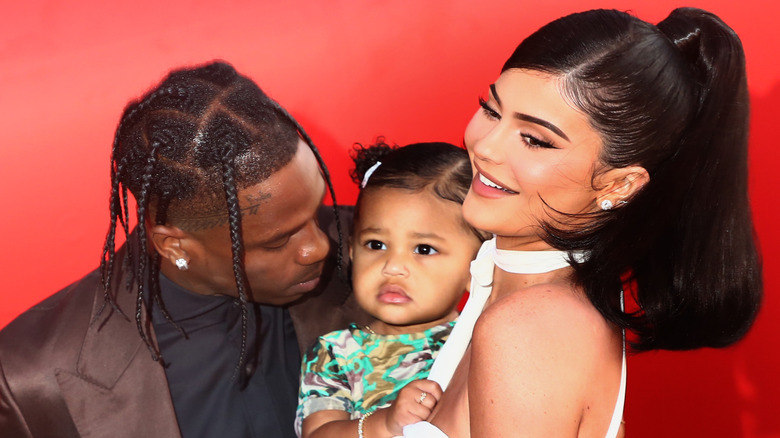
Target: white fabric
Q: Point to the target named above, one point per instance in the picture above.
(518, 262)
(533, 262)
(422, 429)
(617, 414)
(452, 351)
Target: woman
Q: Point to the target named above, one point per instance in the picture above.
(616, 151)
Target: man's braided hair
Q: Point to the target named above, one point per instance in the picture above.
(185, 149)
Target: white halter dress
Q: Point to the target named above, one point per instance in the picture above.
(517, 262)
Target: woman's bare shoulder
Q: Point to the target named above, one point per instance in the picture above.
(546, 321)
(536, 354)
(543, 305)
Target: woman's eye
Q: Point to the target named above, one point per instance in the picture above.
(376, 245)
(534, 142)
(488, 111)
(425, 250)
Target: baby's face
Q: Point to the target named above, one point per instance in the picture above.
(410, 258)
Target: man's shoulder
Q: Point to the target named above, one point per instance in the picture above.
(37, 330)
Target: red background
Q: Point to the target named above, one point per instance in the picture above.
(349, 71)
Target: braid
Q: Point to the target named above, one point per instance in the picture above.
(118, 202)
(237, 247)
(339, 256)
(154, 272)
(107, 257)
(128, 262)
(184, 151)
(142, 260)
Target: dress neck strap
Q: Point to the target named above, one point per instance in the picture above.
(533, 262)
(517, 262)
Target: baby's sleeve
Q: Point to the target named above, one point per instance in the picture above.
(324, 383)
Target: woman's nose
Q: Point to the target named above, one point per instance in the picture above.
(487, 145)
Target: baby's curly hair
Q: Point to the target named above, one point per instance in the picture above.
(442, 168)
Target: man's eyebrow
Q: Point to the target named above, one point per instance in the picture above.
(530, 119)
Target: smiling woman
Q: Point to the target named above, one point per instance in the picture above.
(65, 74)
(536, 156)
(626, 143)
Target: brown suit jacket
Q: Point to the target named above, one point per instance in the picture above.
(64, 372)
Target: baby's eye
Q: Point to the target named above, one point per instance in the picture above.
(376, 245)
(425, 250)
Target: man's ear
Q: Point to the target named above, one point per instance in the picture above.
(167, 241)
(620, 184)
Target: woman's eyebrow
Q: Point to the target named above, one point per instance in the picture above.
(531, 119)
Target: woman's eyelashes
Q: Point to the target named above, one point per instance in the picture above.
(530, 140)
(488, 110)
(534, 142)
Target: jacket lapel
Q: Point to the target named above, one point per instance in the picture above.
(117, 389)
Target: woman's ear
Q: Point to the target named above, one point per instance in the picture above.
(620, 184)
(167, 241)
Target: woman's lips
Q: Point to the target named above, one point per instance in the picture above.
(484, 186)
(392, 294)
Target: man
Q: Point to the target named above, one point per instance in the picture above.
(185, 330)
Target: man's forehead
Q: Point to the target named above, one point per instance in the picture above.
(253, 196)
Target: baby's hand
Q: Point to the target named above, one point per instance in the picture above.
(414, 403)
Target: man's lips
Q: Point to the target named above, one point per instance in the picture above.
(393, 294)
(308, 285)
(313, 283)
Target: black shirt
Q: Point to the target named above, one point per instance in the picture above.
(209, 396)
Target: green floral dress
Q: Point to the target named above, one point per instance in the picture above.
(356, 371)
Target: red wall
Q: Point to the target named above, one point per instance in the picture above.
(348, 70)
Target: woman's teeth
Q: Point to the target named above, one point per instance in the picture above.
(489, 183)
